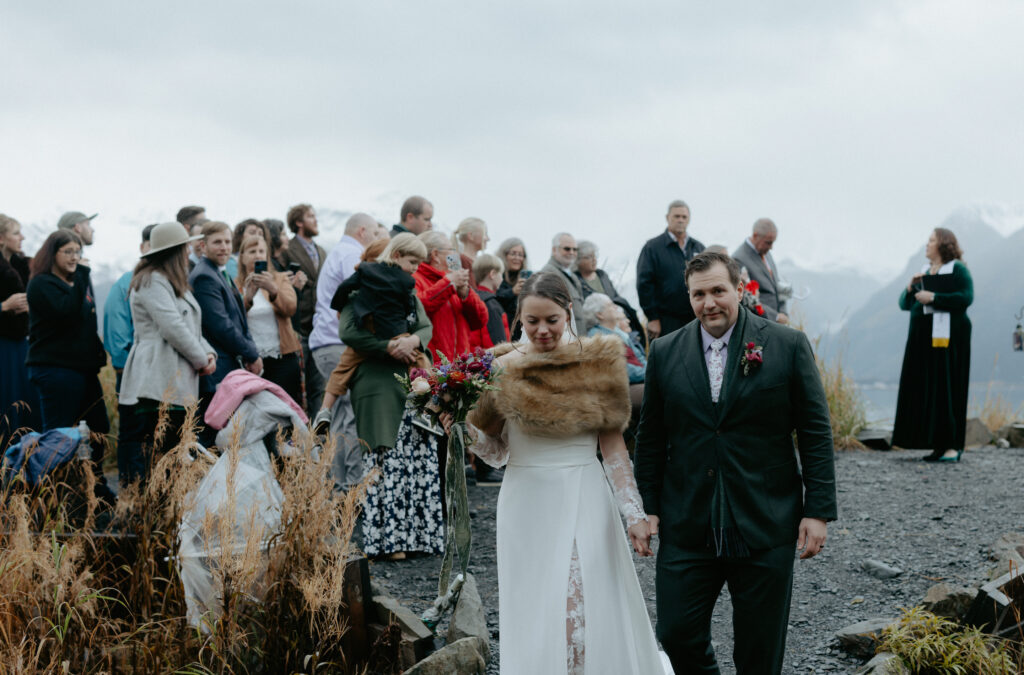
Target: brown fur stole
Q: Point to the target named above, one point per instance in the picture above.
(574, 389)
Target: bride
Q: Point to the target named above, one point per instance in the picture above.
(568, 595)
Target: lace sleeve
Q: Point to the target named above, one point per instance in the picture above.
(493, 450)
(620, 476)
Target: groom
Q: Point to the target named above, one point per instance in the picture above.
(717, 468)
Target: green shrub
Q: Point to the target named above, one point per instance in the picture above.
(929, 644)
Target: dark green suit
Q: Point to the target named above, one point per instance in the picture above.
(689, 447)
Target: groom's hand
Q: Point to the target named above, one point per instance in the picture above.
(640, 537)
(813, 532)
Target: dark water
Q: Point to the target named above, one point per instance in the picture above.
(880, 399)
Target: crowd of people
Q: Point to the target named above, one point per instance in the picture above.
(330, 328)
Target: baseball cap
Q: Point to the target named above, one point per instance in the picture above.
(72, 218)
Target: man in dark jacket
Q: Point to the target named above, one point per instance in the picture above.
(416, 216)
(225, 325)
(660, 269)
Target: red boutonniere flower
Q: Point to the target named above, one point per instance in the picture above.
(753, 357)
(753, 287)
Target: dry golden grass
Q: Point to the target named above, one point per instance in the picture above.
(76, 601)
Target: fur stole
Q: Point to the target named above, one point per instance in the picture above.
(574, 389)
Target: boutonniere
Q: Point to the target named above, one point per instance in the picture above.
(753, 357)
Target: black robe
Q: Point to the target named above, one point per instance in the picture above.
(931, 410)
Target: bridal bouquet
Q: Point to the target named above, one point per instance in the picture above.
(452, 387)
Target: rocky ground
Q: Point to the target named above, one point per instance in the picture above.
(933, 521)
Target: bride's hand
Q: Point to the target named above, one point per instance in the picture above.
(447, 421)
(640, 536)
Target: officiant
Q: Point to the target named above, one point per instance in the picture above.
(931, 410)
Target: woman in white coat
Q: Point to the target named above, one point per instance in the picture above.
(167, 357)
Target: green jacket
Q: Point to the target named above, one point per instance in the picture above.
(378, 400)
(685, 441)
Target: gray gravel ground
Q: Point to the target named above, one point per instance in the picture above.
(934, 521)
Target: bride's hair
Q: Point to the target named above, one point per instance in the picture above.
(550, 287)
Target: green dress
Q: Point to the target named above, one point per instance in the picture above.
(378, 400)
(931, 410)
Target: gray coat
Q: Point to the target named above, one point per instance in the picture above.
(168, 346)
(746, 256)
(575, 292)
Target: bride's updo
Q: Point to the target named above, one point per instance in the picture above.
(548, 286)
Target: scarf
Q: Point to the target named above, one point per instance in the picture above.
(940, 320)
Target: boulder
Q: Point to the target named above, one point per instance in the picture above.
(1014, 434)
(1002, 443)
(885, 663)
(880, 570)
(949, 600)
(1007, 552)
(862, 638)
(876, 439)
(469, 618)
(977, 434)
(463, 657)
(417, 639)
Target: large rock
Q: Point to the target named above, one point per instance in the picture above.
(880, 570)
(876, 439)
(949, 600)
(417, 639)
(977, 434)
(1007, 552)
(464, 657)
(469, 618)
(861, 639)
(885, 663)
(1014, 434)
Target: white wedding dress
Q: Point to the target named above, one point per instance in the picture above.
(568, 596)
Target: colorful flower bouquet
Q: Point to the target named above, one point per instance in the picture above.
(452, 387)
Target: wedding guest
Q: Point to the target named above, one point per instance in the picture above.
(117, 315)
(755, 255)
(81, 225)
(225, 325)
(603, 317)
(470, 238)
(487, 275)
(327, 347)
(269, 305)
(190, 216)
(383, 293)
(19, 402)
(310, 257)
(416, 216)
(660, 274)
(596, 280)
(278, 243)
(454, 308)
(65, 353)
(931, 408)
(403, 509)
(381, 232)
(166, 358)
(513, 254)
(563, 257)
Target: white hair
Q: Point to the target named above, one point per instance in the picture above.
(592, 306)
(357, 221)
(765, 226)
(558, 238)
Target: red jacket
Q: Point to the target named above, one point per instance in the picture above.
(453, 317)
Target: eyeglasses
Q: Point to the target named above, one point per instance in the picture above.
(569, 249)
(515, 254)
(71, 253)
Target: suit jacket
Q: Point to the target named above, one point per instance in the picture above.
(295, 253)
(224, 321)
(575, 292)
(746, 256)
(685, 440)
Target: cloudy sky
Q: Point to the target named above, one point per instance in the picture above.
(856, 126)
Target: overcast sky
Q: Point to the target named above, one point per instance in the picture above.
(856, 126)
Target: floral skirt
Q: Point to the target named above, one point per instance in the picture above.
(403, 505)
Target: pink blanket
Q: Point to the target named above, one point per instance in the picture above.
(233, 389)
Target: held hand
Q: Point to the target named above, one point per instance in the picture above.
(640, 536)
(655, 523)
(265, 280)
(782, 318)
(211, 365)
(446, 421)
(914, 280)
(17, 303)
(653, 328)
(517, 289)
(250, 288)
(256, 367)
(924, 297)
(813, 533)
(299, 280)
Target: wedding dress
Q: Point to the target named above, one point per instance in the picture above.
(569, 600)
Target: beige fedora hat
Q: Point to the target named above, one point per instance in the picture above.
(168, 235)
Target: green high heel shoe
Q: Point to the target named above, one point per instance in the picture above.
(951, 459)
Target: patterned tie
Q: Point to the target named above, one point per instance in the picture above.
(715, 369)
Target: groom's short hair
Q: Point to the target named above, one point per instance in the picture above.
(702, 262)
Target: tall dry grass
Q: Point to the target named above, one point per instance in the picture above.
(845, 403)
(73, 600)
